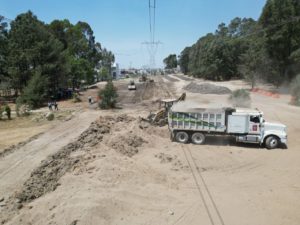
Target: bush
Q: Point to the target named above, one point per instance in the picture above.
(108, 96)
(7, 111)
(76, 97)
(35, 92)
(240, 98)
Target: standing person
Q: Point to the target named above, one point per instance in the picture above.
(50, 106)
(90, 99)
(55, 106)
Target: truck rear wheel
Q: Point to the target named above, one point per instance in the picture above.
(272, 142)
(182, 137)
(198, 138)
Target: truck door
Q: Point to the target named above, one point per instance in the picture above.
(254, 124)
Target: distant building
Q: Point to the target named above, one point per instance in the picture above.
(115, 71)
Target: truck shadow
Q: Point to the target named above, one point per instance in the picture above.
(230, 141)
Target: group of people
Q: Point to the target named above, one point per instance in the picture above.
(53, 105)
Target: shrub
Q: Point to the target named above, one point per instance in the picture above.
(76, 97)
(8, 111)
(35, 92)
(240, 98)
(108, 96)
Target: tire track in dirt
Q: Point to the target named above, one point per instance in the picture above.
(207, 199)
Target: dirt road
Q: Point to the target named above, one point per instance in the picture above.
(135, 175)
(15, 168)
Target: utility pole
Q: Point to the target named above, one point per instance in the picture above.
(152, 45)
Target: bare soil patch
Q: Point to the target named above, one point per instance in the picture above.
(183, 77)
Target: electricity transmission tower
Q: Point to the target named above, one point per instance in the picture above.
(152, 44)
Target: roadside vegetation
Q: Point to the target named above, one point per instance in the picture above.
(42, 61)
(108, 96)
(267, 49)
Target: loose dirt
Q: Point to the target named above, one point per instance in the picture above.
(132, 174)
(207, 88)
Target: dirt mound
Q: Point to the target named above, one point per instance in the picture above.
(207, 88)
(45, 178)
(111, 120)
(127, 145)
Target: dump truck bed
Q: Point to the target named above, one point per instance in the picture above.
(210, 120)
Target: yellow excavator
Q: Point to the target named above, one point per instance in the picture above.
(160, 118)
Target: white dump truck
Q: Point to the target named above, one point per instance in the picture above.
(246, 125)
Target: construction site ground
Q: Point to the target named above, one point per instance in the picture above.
(92, 166)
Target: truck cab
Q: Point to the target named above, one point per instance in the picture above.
(249, 126)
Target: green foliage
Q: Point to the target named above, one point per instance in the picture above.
(35, 93)
(3, 50)
(5, 108)
(76, 97)
(217, 56)
(108, 96)
(184, 60)
(240, 98)
(8, 111)
(268, 49)
(65, 54)
(282, 32)
(104, 74)
(171, 61)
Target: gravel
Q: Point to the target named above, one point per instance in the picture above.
(207, 88)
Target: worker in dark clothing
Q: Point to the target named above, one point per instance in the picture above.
(55, 105)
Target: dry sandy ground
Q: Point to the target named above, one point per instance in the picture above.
(133, 174)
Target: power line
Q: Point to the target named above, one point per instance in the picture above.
(152, 44)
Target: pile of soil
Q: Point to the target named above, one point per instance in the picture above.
(45, 178)
(207, 88)
(127, 145)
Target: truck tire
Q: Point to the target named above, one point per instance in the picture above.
(272, 142)
(198, 138)
(182, 137)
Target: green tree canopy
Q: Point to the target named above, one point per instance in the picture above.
(170, 61)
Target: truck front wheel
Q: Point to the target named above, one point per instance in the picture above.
(198, 138)
(182, 137)
(272, 142)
